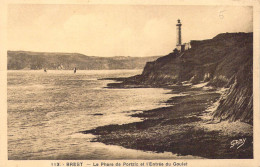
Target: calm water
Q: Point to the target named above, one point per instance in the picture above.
(46, 111)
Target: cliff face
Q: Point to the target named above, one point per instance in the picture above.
(224, 61)
(18, 60)
(237, 101)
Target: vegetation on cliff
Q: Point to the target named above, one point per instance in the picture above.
(224, 61)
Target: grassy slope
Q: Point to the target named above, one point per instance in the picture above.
(224, 61)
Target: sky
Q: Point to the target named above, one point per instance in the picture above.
(118, 30)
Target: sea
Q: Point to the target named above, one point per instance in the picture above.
(48, 110)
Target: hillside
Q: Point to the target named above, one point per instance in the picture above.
(224, 61)
(18, 60)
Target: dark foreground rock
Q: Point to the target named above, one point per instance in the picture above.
(182, 128)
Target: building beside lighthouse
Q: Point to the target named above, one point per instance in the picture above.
(179, 46)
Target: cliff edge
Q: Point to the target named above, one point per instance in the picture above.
(224, 61)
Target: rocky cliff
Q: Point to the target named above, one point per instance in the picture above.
(224, 61)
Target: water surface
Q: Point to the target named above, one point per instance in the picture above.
(46, 112)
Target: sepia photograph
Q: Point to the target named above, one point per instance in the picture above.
(129, 82)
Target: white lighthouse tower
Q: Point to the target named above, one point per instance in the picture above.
(178, 34)
(179, 46)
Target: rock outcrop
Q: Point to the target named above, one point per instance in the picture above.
(224, 61)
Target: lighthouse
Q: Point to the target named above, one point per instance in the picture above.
(178, 33)
(179, 46)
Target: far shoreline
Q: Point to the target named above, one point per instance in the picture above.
(77, 70)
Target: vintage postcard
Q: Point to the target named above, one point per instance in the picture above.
(129, 83)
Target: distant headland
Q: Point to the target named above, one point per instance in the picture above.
(27, 60)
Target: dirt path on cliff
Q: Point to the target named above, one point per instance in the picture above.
(185, 127)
